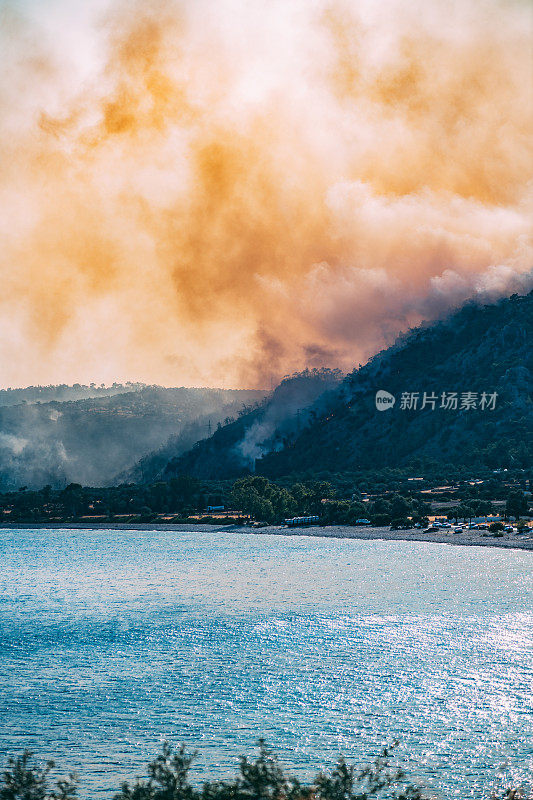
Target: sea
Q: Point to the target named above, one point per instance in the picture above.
(115, 641)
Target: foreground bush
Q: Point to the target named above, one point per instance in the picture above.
(261, 778)
(25, 780)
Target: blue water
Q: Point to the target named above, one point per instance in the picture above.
(113, 641)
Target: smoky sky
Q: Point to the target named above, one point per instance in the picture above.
(222, 192)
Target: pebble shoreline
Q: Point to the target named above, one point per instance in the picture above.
(467, 538)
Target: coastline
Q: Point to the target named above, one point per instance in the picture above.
(466, 539)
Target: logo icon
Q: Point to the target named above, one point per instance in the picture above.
(384, 400)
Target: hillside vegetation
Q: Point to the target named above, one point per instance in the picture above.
(471, 376)
(476, 350)
(94, 440)
(234, 448)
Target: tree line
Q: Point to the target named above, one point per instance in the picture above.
(259, 778)
(340, 500)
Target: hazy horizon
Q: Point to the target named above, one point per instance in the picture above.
(134, 384)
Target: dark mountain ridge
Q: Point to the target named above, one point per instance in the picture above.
(481, 353)
(234, 448)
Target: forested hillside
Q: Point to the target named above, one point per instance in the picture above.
(482, 354)
(92, 440)
(63, 392)
(234, 448)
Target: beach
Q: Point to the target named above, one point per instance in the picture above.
(472, 538)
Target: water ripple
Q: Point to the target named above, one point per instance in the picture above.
(112, 641)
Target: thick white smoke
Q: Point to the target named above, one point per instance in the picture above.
(221, 192)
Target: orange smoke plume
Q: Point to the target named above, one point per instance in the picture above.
(221, 192)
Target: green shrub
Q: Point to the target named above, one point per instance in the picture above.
(494, 527)
(380, 519)
(25, 780)
(259, 778)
